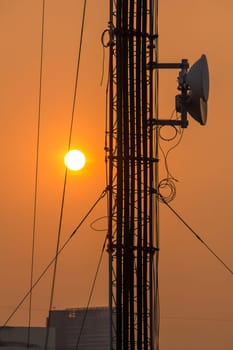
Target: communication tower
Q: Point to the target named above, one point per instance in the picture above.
(132, 154)
(133, 240)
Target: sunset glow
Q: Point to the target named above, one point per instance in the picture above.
(55, 98)
(75, 160)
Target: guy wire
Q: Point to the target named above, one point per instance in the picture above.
(55, 257)
(65, 177)
(36, 174)
(91, 294)
(196, 235)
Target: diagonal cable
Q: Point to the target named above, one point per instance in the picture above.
(90, 295)
(36, 173)
(196, 235)
(65, 177)
(55, 257)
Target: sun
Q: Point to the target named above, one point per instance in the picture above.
(75, 160)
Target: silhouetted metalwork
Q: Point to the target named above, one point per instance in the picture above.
(133, 227)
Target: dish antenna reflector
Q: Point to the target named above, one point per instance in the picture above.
(193, 85)
(197, 79)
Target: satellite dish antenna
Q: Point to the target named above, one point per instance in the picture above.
(197, 79)
(194, 87)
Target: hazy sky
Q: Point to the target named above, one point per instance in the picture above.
(196, 291)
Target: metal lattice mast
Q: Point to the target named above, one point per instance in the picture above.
(133, 227)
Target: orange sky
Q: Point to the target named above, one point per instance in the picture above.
(196, 292)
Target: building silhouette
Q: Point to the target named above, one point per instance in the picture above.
(14, 338)
(85, 329)
(89, 329)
